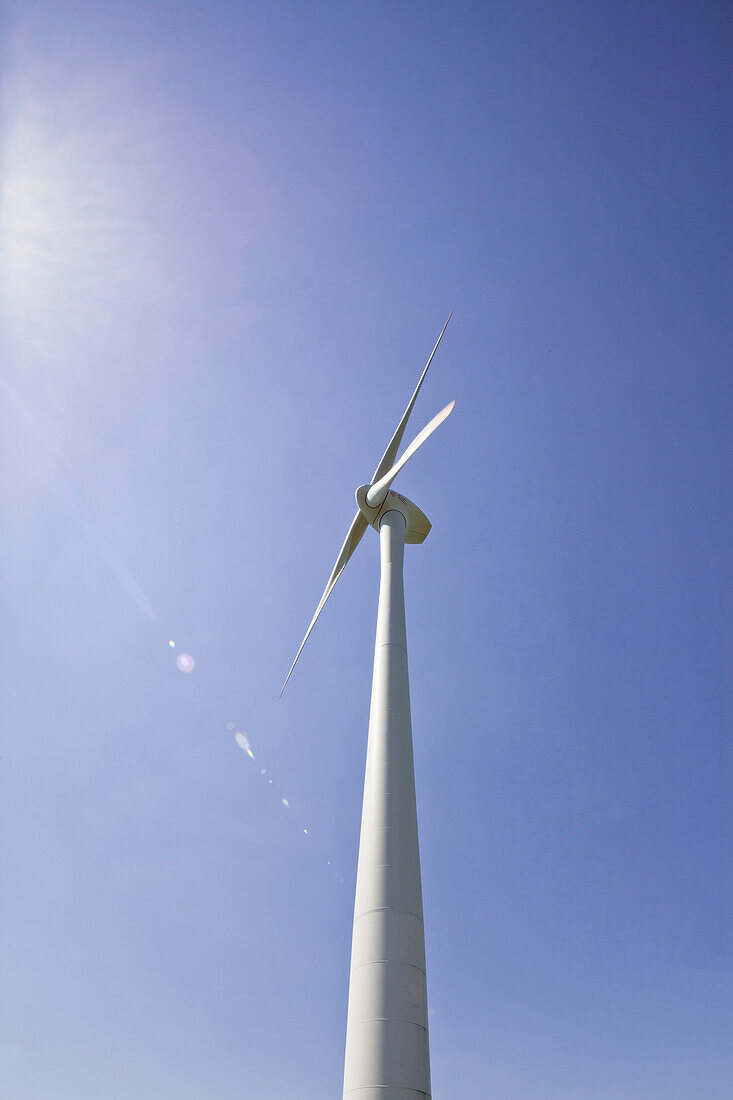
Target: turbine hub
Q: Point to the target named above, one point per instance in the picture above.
(417, 524)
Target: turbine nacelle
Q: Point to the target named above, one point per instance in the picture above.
(417, 524)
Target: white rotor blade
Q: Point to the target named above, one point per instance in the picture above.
(377, 493)
(352, 540)
(391, 453)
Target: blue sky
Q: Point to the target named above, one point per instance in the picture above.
(230, 234)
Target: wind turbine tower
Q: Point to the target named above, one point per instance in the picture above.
(387, 1054)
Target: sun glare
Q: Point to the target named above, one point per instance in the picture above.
(78, 246)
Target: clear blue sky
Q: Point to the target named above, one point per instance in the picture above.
(230, 235)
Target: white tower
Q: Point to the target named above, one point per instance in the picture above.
(387, 1054)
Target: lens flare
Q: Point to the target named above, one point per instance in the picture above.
(242, 741)
(185, 662)
(285, 803)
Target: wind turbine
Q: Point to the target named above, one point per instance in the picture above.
(387, 1055)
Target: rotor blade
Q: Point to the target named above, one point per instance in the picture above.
(391, 453)
(377, 493)
(352, 540)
